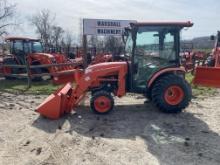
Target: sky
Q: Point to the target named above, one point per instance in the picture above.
(203, 13)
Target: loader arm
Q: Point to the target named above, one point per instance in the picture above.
(67, 98)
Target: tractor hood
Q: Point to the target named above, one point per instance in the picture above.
(105, 66)
(56, 58)
(43, 55)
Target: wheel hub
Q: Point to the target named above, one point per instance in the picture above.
(102, 104)
(174, 95)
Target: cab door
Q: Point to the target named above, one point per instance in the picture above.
(154, 50)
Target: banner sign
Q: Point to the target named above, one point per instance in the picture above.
(105, 27)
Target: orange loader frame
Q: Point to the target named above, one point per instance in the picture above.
(67, 98)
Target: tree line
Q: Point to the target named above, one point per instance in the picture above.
(53, 36)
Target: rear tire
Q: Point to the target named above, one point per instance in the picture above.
(102, 102)
(171, 94)
(10, 61)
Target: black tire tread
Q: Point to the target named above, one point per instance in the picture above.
(160, 87)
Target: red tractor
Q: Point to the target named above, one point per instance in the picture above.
(31, 50)
(151, 66)
(191, 58)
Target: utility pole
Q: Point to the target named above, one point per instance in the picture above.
(85, 59)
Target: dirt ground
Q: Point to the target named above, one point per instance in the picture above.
(135, 133)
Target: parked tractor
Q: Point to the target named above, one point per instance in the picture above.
(151, 66)
(191, 58)
(209, 75)
(24, 50)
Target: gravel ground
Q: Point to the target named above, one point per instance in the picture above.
(135, 133)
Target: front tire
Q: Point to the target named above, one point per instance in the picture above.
(171, 94)
(102, 102)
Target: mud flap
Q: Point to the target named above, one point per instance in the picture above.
(56, 104)
(207, 76)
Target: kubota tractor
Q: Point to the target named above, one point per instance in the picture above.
(151, 67)
(31, 50)
(210, 75)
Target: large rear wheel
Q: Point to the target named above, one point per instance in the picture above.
(171, 93)
(102, 102)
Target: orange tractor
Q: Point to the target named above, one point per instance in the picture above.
(151, 66)
(209, 75)
(190, 60)
(31, 50)
(22, 49)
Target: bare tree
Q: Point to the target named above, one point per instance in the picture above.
(50, 33)
(93, 41)
(56, 36)
(114, 45)
(97, 42)
(7, 12)
(68, 40)
(44, 21)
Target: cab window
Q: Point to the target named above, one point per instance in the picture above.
(18, 47)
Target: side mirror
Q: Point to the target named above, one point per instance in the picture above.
(212, 37)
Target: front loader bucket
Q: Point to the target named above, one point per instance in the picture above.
(56, 104)
(207, 76)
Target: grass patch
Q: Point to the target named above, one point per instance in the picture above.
(46, 87)
(20, 86)
(198, 90)
(204, 50)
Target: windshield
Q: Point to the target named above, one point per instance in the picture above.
(156, 42)
(155, 49)
(37, 47)
(17, 47)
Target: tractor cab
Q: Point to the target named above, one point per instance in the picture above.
(21, 47)
(152, 47)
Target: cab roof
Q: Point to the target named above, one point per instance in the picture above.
(20, 38)
(175, 24)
